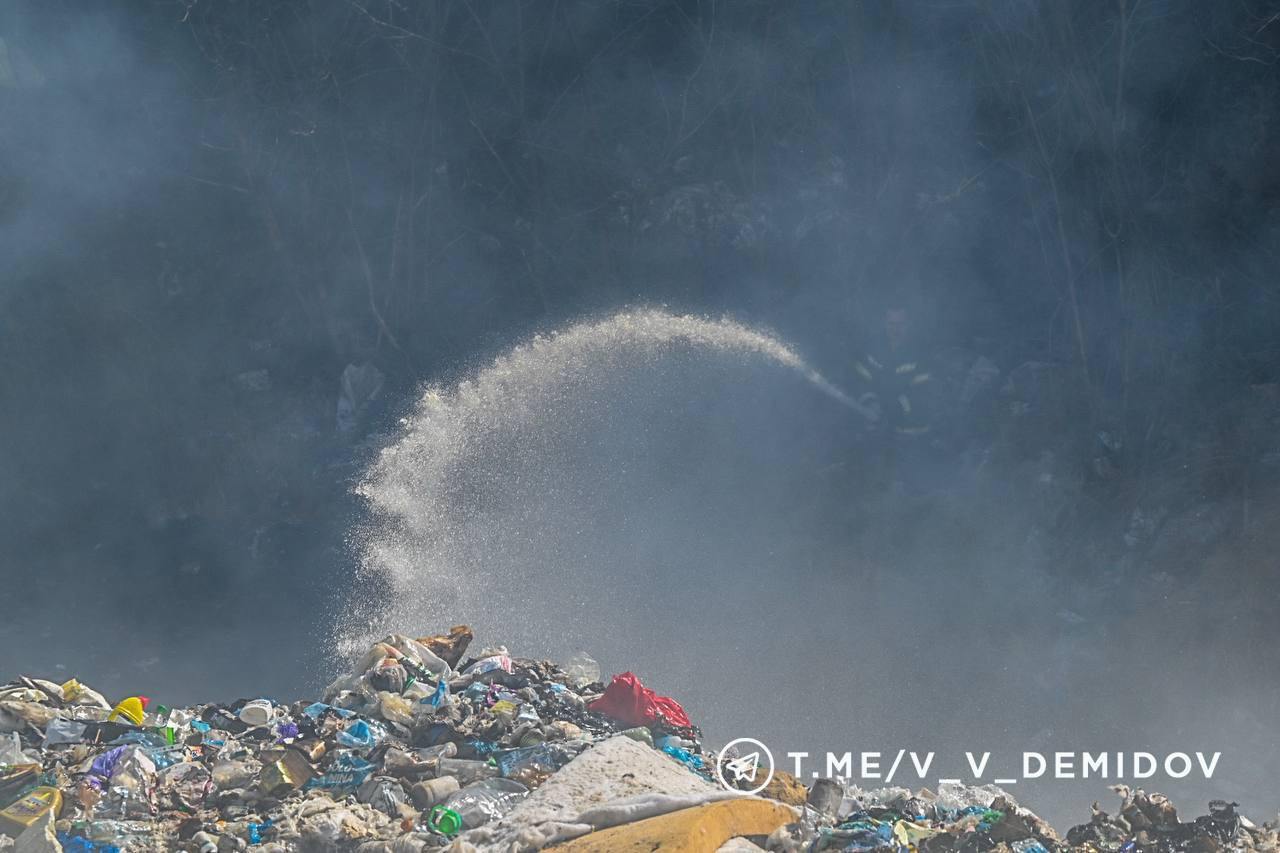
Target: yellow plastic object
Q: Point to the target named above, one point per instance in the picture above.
(29, 809)
(504, 708)
(908, 834)
(133, 709)
(71, 690)
(699, 829)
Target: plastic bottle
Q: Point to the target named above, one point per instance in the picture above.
(483, 801)
(443, 750)
(527, 763)
(465, 770)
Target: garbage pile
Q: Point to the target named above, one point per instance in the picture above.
(963, 818)
(422, 747)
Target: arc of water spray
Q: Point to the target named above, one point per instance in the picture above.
(417, 525)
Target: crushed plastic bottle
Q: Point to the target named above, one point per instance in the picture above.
(486, 800)
(465, 770)
(445, 750)
(531, 764)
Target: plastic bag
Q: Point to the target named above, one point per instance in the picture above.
(15, 715)
(582, 669)
(361, 735)
(440, 697)
(316, 710)
(384, 794)
(347, 773)
(630, 702)
(11, 751)
(395, 709)
(131, 791)
(484, 666)
(75, 693)
(684, 756)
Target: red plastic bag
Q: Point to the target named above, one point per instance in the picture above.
(628, 701)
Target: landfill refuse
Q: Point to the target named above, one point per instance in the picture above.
(420, 747)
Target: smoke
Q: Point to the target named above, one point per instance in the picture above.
(208, 211)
